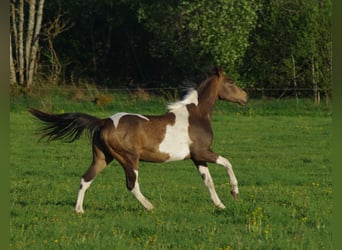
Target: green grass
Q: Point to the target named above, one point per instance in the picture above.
(280, 151)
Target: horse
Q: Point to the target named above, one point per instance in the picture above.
(183, 132)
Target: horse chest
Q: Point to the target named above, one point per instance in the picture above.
(176, 142)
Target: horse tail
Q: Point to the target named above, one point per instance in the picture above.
(68, 126)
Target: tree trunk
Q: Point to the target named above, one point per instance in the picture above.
(24, 40)
(317, 96)
(21, 59)
(29, 35)
(92, 39)
(51, 32)
(34, 50)
(13, 54)
(12, 68)
(294, 76)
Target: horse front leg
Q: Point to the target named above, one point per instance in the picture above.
(208, 181)
(209, 156)
(132, 184)
(233, 181)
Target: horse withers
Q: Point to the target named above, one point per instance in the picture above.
(183, 132)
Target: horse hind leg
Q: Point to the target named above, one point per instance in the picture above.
(101, 158)
(80, 197)
(95, 168)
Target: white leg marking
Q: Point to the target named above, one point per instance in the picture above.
(140, 197)
(208, 181)
(79, 204)
(233, 181)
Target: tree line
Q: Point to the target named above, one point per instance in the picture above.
(284, 45)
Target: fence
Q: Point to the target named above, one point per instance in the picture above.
(91, 92)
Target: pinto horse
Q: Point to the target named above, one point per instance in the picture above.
(184, 132)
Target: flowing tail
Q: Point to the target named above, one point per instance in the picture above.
(68, 126)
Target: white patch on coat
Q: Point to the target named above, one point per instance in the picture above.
(191, 97)
(176, 142)
(116, 117)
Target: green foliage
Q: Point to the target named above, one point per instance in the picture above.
(262, 43)
(198, 34)
(291, 46)
(281, 159)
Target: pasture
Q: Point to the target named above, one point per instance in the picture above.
(280, 152)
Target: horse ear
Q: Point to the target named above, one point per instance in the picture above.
(216, 71)
(219, 71)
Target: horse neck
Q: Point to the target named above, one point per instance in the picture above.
(207, 96)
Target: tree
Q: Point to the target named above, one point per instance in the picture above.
(189, 36)
(104, 45)
(291, 47)
(24, 40)
(50, 32)
(277, 44)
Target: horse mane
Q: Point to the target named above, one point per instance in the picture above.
(193, 93)
(190, 97)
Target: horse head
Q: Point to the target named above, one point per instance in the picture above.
(229, 91)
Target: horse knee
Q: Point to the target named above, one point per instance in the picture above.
(224, 162)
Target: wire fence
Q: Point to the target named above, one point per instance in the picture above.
(176, 92)
(98, 94)
(72, 96)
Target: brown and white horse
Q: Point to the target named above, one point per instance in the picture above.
(184, 132)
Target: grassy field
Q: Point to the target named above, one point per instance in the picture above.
(280, 151)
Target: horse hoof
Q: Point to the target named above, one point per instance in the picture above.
(221, 206)
(149, 207)
(79, 211)
(235, 195)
